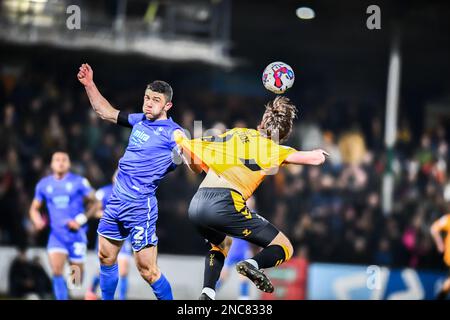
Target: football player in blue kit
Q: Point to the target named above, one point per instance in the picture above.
(132, 209)
(103, 194)
(64, 193)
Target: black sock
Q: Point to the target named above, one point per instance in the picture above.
(270, 256)
(442, 295)
(213, 266)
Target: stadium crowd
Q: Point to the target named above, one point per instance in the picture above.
(332, 213)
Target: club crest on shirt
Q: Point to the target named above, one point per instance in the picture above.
(158, 131)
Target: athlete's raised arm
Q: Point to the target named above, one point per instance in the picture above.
(187, 157)
(314, 157)
(100, 105)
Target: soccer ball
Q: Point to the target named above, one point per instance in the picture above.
(278, 77)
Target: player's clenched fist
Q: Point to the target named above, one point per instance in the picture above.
(85, 74)
(321, 155)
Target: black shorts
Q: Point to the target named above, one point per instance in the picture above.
(217, 212)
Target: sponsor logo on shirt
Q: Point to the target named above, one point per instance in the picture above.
(139, 137)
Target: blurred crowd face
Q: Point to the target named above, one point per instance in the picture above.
(60, 163)
(155, 105)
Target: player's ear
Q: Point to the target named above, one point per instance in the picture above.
(168, 106)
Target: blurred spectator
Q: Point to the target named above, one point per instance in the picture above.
(28, 277)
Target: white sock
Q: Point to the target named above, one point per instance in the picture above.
(209, 292)
(253, 263)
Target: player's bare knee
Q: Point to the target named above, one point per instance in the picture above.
(224, 246)
(105, 258)
(290, 250)
(57, 271)
(287, 245)
(284, 242)
(149, 273)
(57, 268)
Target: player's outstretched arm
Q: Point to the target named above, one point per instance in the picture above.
(314, 157)
(35, 215)
(100, 105)
(195, 167)
(435, 231)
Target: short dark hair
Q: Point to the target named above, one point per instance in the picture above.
(161, 87)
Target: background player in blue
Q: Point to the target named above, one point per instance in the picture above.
(63, 193)
(102, 195)
(132, 208)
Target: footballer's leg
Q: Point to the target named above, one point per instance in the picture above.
(275, 253)
(278, 251)
(111, 235)
(144, 242)
(203, 213)
(57, 262)
(149, 270)
(231, 259)
(77, 257)
(108, 250)
(57, 254)
(124, 263)
(214, 260)
(250, 226)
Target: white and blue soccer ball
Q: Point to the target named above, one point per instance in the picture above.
(278, 77)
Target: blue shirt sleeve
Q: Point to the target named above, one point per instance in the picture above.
(134, 118)
(38, 192)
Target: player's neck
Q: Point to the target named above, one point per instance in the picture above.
(60, 176)
(161, 117)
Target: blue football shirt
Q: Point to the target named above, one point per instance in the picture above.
(148, 157)
(103, 194)
(63, 197)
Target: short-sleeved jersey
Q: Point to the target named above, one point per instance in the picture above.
(242, 156)
(148, 157)
(443, 225)
(64, 198)
(103, 194)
